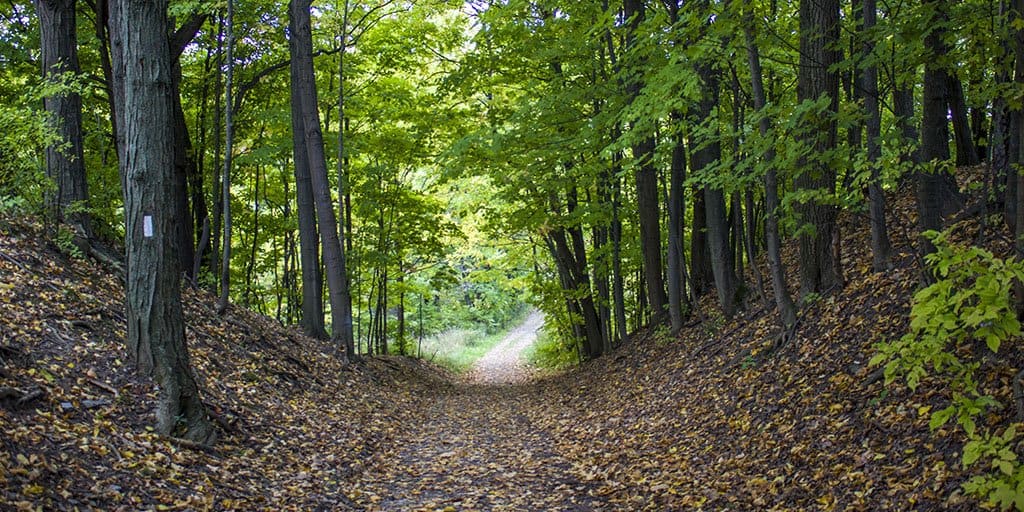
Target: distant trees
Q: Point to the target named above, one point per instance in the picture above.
(680, 98)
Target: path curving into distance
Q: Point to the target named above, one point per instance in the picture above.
(506, 363)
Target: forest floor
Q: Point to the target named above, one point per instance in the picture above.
(725, 416)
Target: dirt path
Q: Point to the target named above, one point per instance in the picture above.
(477, 448)
(474, 445)
(504, 363)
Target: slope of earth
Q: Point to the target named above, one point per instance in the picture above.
(295, 424)
(730, 417)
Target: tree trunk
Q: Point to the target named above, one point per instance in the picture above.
(333, 250)
(819, 33)
(312, 317)
(776, 269)
(156, 332)
(881, 250)
(700, 260)
(1017, 131)
(184, 175)
(65, 165)
(646, 177)
(676, 207)
(218, 190)
(602, 264)
(721, 256)
(966, 151)
(937, 194)
(229, 128)
(618, 284)
(100, 24)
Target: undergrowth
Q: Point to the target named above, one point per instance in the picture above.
(551, 352)
(458, 348)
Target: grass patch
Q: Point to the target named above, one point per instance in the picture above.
(459, 348)
(551, 353)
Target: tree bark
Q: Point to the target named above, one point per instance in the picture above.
(676, 208)
(937, 193)
(333, 249)
(65, 166)
(819, 33)
(646, 179)
(881, 250)
(721, 256)
(156, 333)
(229, 130)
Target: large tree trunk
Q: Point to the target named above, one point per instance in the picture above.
(333, 250)
(880, 247)
(819, 32)
(676, 208)
(312, 318)
(937, 194)
(722, 261)
(64, 161)
(646, 176)
(156, 331)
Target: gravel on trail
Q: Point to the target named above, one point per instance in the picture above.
(505, 363)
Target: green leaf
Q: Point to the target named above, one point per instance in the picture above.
(1010, 433)
(940, 418)
(972, 452)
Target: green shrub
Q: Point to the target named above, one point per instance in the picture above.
(969, 303)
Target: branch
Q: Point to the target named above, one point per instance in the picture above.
(184, 35)
(244, 88)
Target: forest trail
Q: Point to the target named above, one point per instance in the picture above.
(486, 442)
(476, 447)
(505, 363)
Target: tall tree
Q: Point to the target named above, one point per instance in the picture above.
(646, 176)
(229, 129)
(156, 331)
(783, 300)
(937, 193)
(312, 318)
(65, 162)
(880, 247)
(301, 47)
(817, 78)
(723, 267)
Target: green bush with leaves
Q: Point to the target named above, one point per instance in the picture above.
(968, 304)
